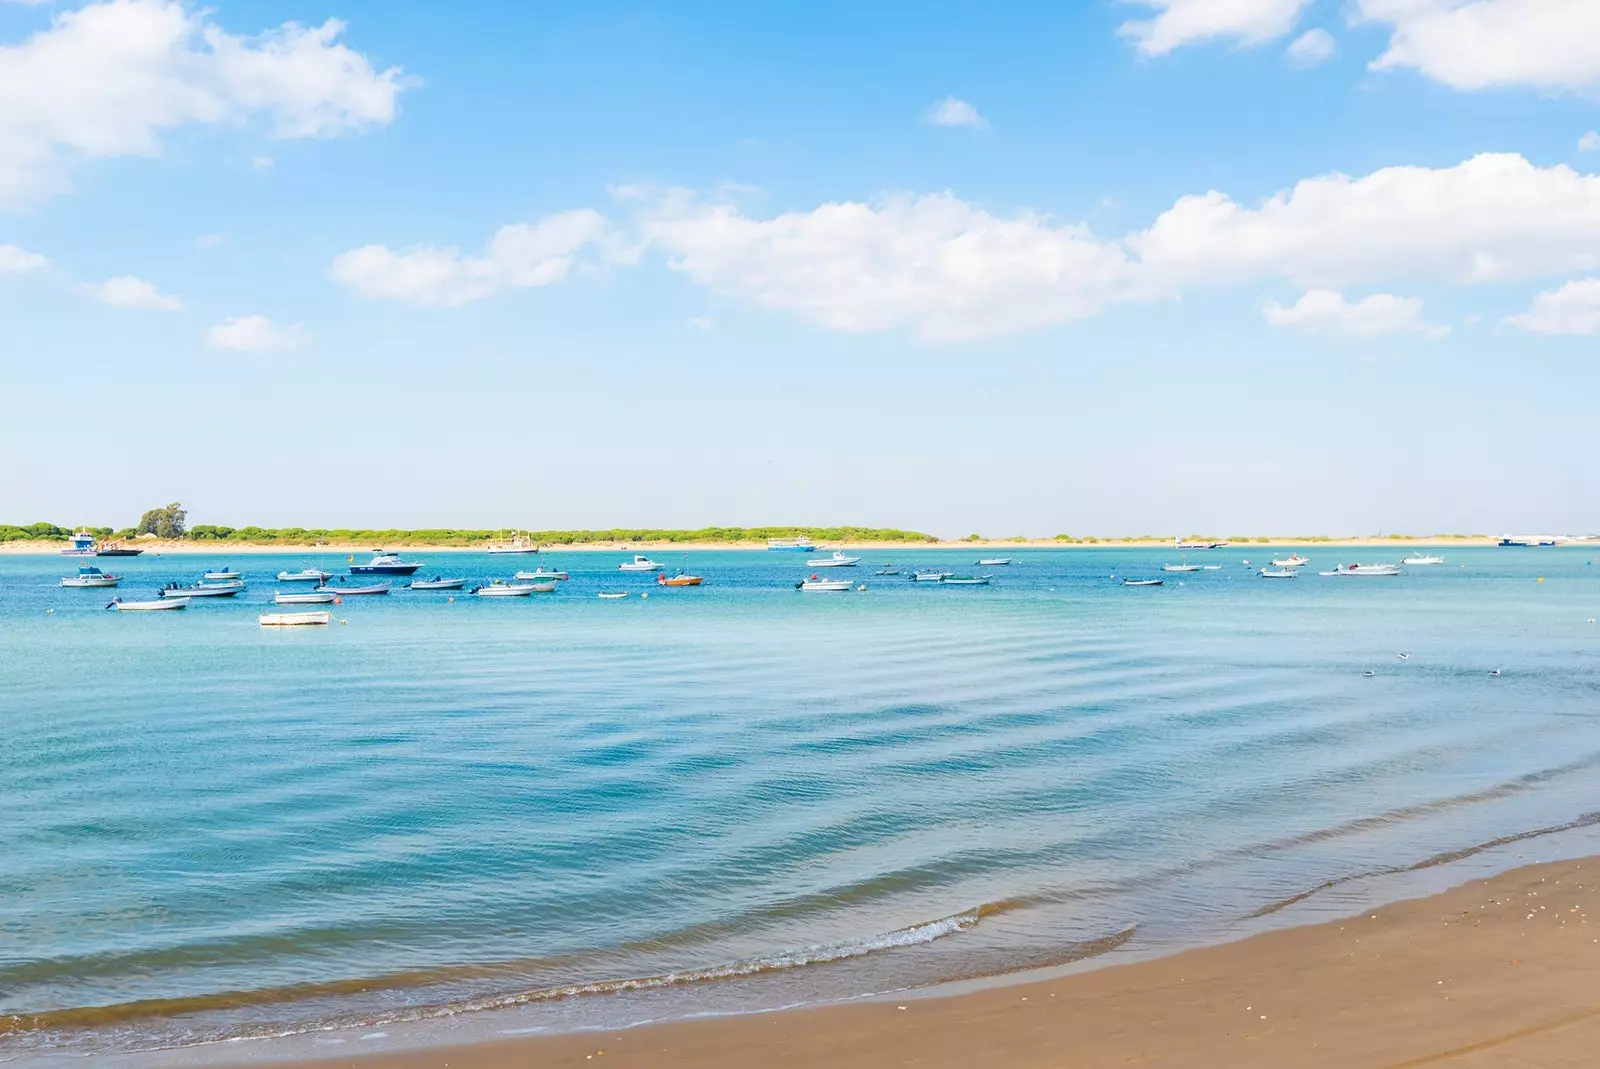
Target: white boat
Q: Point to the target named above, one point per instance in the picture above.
(386, 564)
(1182, 567)
(1277, 573)
(613, 596)
(838, 560)
(994, 562)
(304, 597)
(1143, 582)
(822, 586)
(1293, 560)
(1179, 543)
(927, 576)
(515, 544)
(89, 575)
(1365, 570)
(203, 590)
(965, 580)
(226, 575)
(805, 545)
(295, 619)
(439, 583)
(540, 573)
(639, 563)
(374, 588)
(305, 575)
(1414, 561)
(1211, 567)
(498, 589)
(148, 606)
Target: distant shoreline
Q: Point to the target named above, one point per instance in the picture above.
(223, 548)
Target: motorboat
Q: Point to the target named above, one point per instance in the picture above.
(1180, 543)
(295, 619)
(613, 595)
(838, 560)
(802, 544)
(679, 580)
(515, 544)
(83, 544)
(639, 563)
(994, 562)
(1143, 582)
(965, 580)
(108, 548)
(888, 569)
(386, 564)
(1185, 567)
(439, 583)
(1277, 573)
(927, 576)
(1293, 560)
(1365, 570)
(203, 590)
(822, 586)
(1416, 560)
(347, 590)
(500, 589)
(223, 575)
(304, 597)
(89, 575)
(148, 606)
(305, 575)
(539, 573)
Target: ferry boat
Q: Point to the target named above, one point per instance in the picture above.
(802, 544)
(83, 545)
(386, 564)
(515, 544)
(1517, 541)
(89, 575)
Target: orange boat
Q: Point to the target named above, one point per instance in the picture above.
(679, 580)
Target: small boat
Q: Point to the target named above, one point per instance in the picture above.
(613, 595)
(83, 545)
(1365, 570)
(148, 606)
(679, 580)
(539, 573)
(888, 569)
(304, 597)
(927, 576)
(224, 575)
(838, 560)
(1143, 582)
(295, 619)
(1179, 543)
(515, 544)
(1414, 561)
(499, 589)
(202, 590)
(374, 588)
(1277, 573)
(115, 549)
(1293, 560)
(1211, 567)
(994, 562)
(822, 586)
(965, 580)
(305, 575)
(1185, 567)
(89, 575)
(439, 583)
(639, 563)
(386, 564)
(804, 545)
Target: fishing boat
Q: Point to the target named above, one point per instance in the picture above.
(305, 575)
(639, 563)
(1293, 560)
(295, 619)
(541, 572)
(386, 564)
(439, 583)
(1143, 582)
(82, 545)
(515, 544)
(304, 597)
(802, 544)
(965, 580)
(1416, 560)
(1277, 573)
(994, 562)
(148, 606)
(822, 586)
(927, 576)
(108, 548)
(613, 595)
(202, 590)
(499, 589)
(1185, 567)
(222, 575)
(838, 560)
(89, 575)
(680, 579)
(347, 590)
(1379, 570)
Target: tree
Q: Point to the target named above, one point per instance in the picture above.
(164, 523)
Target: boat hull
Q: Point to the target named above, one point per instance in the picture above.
(384, 569)
(221, 590)
(304, 577)
(306, 597)
(151, 606)
(295, 619)
(507, 591)
(351, 591)
(101, 581)
(439, 584)
(825, 586)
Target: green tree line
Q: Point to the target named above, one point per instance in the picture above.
(297, 536)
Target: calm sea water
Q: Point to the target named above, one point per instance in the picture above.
(584, 812)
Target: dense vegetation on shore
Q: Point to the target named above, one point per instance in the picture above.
(306, 536)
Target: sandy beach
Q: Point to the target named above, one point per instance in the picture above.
(1497, 972)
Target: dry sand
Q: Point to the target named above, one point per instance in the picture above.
(1502, 972)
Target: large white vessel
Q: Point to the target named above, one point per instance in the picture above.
(517, 543)
(804, 545)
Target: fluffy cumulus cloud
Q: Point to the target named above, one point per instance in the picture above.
(126, 291)
(936, 265)
(1182, 22)
(109, 78)
(15, 261)
(1572, 309)
(1480, 44)
(1328, 312)
(252, 334)
(1589, 142)
(1311, 48)
(518, 257)
(953, 112)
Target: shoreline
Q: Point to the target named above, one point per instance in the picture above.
(1495, 971)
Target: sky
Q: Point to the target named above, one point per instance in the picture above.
(1106, 267)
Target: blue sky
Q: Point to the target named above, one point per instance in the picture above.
(1231, 265)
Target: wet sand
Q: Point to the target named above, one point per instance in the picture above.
(1503, 972)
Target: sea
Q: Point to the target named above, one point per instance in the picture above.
(445, 817)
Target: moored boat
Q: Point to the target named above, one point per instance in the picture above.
(541, 573)
(838, 560)
(295, 619)
(1185, 567)
(888, 569)
(386, 564)
(1379, 570)
(1180, 543)
(1416, 560)
(440, 583)
(304, 597)
(148, 606)
(499, 589)
(1143, 582)
(680, 579)
(613, 595)
(639, 563)
(515, 544)
(222, 575)
(347, 589)
(305, 575)
(88, 575)
(1277, 573)
(822, 586)
(927, 575)
(1293, 560)
(802, 544)
(202, 590)
(994, 562)
(965, 580)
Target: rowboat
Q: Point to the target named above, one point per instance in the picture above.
(1379, 570)
(306, 575)
(639, 563)
(994, 562)
(927, 576)
(498, 589)
(1422, 560)
(148, 606)
(822, 586)
(375, 588)
(965, 580)
(1294, 560)
(295, 619)
(613, 596)
(89, 575)
(838, 560)
(436, 583)
(224, 575)
(386, 564)
(679, 580)
(1277, 573)
(304, 597)
(539, 573)
(202, 590)
(1143, 582)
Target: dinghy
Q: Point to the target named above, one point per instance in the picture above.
(1277, 573)
(613, 596)
(295, 619)
(965, 580)
(498, 589)
(993, 562)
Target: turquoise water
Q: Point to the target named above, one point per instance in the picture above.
(738, 795)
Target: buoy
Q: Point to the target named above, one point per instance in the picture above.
(337, 600)
(343, 622)
(1541, 579)
(47, 612)
(452, 599)
(644, 595)
(1369, 672)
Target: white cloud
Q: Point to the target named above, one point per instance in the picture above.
(1549, 44)
(252, 334)
(1328, 312)
(702, 323)
(1572, 309)
(518, 256)
(126, 291)
(109, 78)
(261, 163)
(934, 264)
(15, 261)
(208, 241)
(953, 112)
(1589, 142)
(1311, 48)
(1183, 22)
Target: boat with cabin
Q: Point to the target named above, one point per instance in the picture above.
(517, 543)
(1293, 560)
(928, 575)
(541, 573)
(89, 576)
(1180, 543)
(837, 560)
(800, 544)
(222, 575)
(639, 563)
(305, 575)
(386, 564)
(83, 544)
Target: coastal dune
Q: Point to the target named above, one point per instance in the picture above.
(1497, 972)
